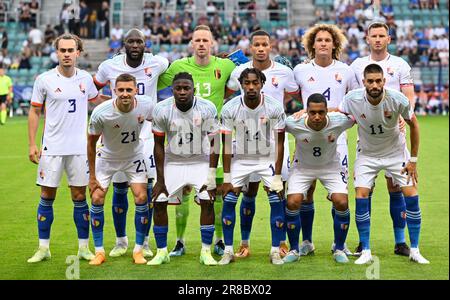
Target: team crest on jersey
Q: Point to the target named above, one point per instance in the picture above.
(338, 77)
(148, 72)
(82, 88)
(331, 138)
(140, 119)
(388, 114)
(217, 73)
(390, 71)
(311, 79)
(275, 82)
(263, 120)
(197, 121)
(363, 116)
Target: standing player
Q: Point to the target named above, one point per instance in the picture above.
(398, 77)
(258, 122)
(382, 146)
(65, 92)
(210, 75)
(280, 84)
(146, 68)
(119, 121)
(326, 75)
(192, 130)
(6, 94)
(316, 135)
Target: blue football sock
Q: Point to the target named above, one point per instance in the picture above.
(247, 211)
(141, 222)
(397, 209)
(333, 211)
(81, 218)
(341, 224)
(207, 233)
(150, 205)
(370, 203)
(283, 238)
(120, 208)
(307, 219)
(45, 217)
(362, 218)
(276, 218)
(293, 227)
(413, 219)
(229, 217)
(160, 236)
(97, 222)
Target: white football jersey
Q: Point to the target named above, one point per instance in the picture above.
(378, 130)
(318, 149)
(146, 77)
(120, 131)
(333, 81)
(253, 128)
(66, 110)
(187, 132)
(279, 79)
(396, 71)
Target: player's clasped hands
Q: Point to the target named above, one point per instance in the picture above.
(94, 185)
(411, 172)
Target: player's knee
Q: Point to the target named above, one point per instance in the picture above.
(362, 192)
(78, 194)
(340, 202)
(97, 199)
(141, 198)
(294, 201)
(409, 191)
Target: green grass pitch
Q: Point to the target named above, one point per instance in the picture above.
(18, 232)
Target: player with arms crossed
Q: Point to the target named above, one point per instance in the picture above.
(324, 74)
(192, 129)
(146, 68)
(65, 92)
(398, 77)
(316, 135)
(280, 84)
(382, 146)
(258, 121)
(210, 75)
(119, 121)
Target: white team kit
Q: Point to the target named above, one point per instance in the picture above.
(64, 141)
(316, 153)
(255, 137)
(279, 80)
(121, 150)
(333, 82)
(147, 79)
(188, 147)
(380, 140)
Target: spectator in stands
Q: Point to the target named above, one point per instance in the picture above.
(414, 4)
(164, 34)
(413, 56)
(187, 34)
(175, 34)
(117, 33)
(84, 18)
(148, 9)
(211, 9)
(189, 9)
(24, 60)
(433, 58)
(92, 23)
(37, 38)
(64, 17)
(423, 4)
(34, 10)
(233, 35)
(273, 7)
(3, 10)
(244, 44)
(102, 25)
(251, 8)
(24, 16)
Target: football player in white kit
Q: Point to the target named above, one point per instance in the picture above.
(381, 147)
(280, 84)
(316, 135)
(258, 122)
(398, 77)
(146, 68)
(65, 92)
(326, 75)
(192, 129)
(119, 121)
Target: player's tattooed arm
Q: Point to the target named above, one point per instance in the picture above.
(411, 167)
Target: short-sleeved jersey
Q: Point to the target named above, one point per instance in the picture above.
(146, 74)
(378, 131)
(318, 149)
(333, 81)
(209, 81)
(279, 79)
(66, 110)
(5, 84)
(254, 129)
(120, 131)
(187, 132)
(396, 71)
